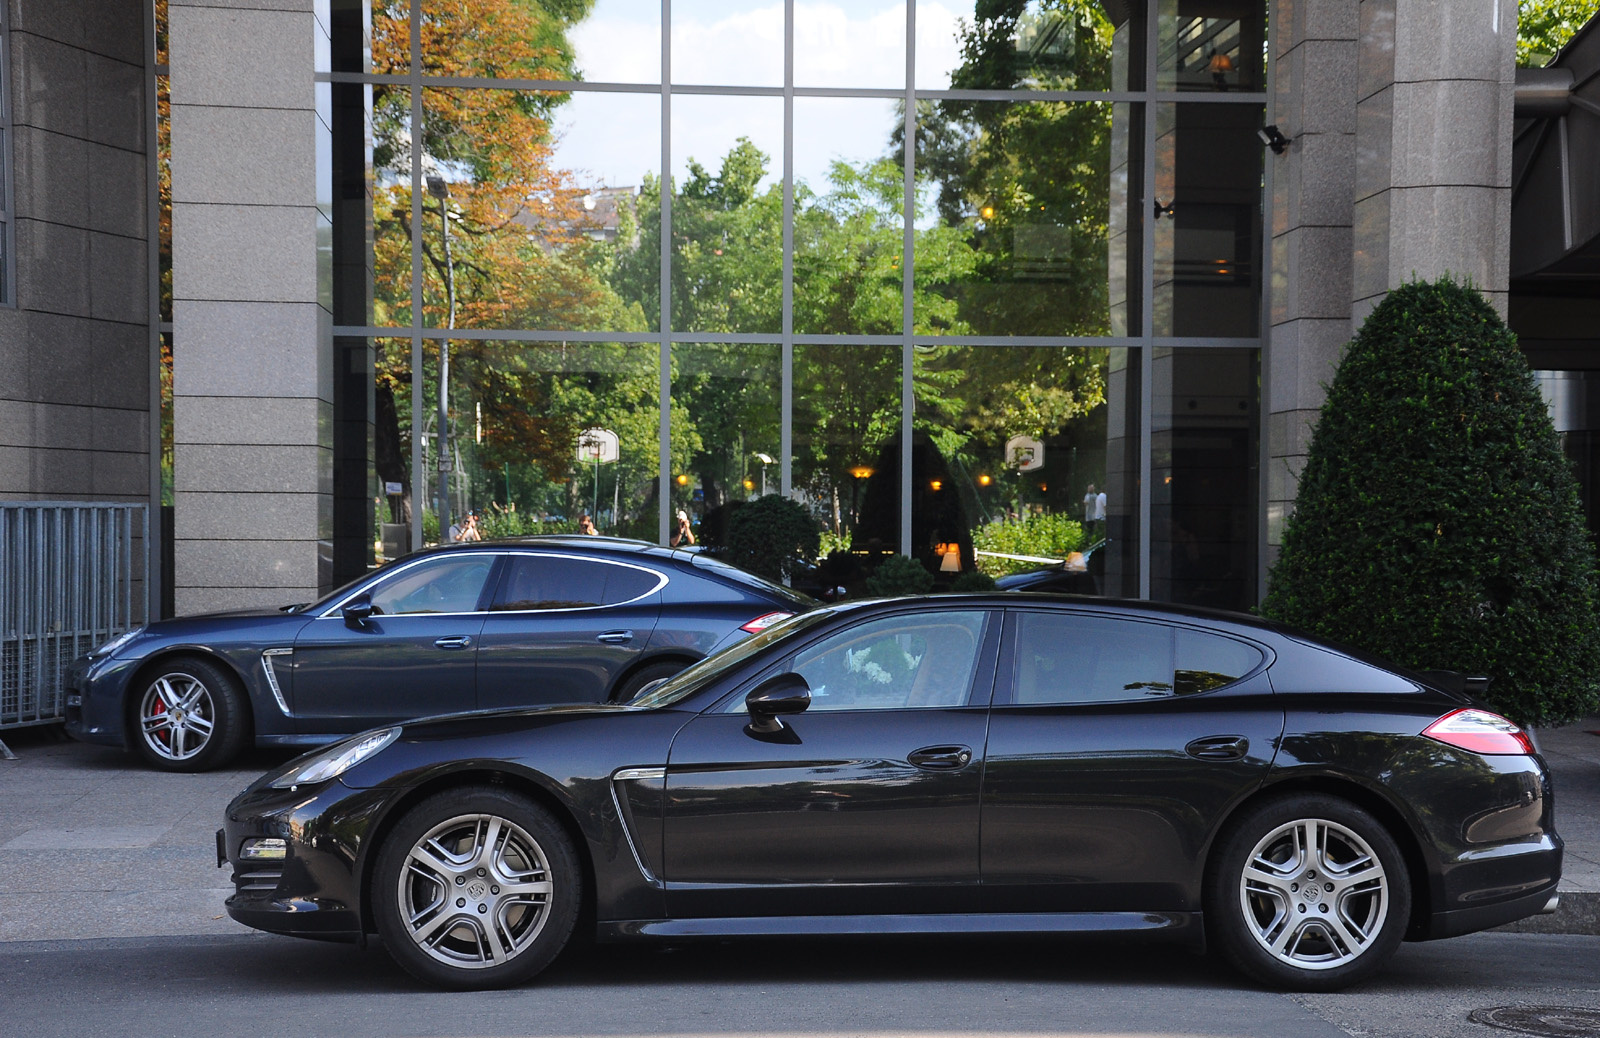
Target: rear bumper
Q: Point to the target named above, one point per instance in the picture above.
(1483, 917)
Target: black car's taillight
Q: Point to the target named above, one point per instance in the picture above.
(1479, 731)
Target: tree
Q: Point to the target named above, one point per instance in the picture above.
(1545, 26)
(510, 246)
(1437, 522)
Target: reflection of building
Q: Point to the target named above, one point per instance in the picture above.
(1127, 222)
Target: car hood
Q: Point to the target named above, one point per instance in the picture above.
(473, 722)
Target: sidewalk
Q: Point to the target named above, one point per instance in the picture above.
(1573, 754)
(92, 844)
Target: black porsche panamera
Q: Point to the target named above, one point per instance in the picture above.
(953, 764)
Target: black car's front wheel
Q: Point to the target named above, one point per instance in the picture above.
(1309, 893)
(190, 716)
(476, 888)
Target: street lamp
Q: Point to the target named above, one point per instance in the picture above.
(438, 188)
(765, 459)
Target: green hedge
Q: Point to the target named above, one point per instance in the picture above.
(1053, 536)
(1437, 521)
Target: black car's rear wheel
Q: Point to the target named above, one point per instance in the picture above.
(190, 716)
(1308, 892)
(476, 888)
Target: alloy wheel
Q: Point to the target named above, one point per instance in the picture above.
(177, 716)
(475, 891)
(1314, 894)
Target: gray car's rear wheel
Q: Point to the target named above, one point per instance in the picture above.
(190, 715)
(641, 679)
(476, 888)
(1309, 892)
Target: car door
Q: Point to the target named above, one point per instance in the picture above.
(866, 803)
(562, 627)
(1115, 746)
(415, 655)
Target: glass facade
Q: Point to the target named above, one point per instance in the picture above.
(973, 285)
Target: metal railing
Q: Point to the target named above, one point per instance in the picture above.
(71, 576)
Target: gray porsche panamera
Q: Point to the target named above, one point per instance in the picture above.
(521, 622)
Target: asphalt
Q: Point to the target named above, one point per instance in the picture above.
(94, 845)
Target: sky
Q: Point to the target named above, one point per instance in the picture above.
(615, 138)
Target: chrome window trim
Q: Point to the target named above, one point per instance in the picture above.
(661, 581)
(272, 676)
(332, 612)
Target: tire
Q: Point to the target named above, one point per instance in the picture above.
(635, 683)
(444, 898)
(1308, 893)
(188, 714)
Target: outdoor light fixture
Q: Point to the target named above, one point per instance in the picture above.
(1273, 138)
(861, 471)
(683, 480)
(984, 481)
(437, 187)
(936, 485)
(987, 212)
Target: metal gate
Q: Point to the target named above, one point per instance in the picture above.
(71, 577)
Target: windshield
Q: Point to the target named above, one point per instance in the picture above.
(685, 683)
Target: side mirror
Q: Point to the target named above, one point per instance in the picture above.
(356, 611)
(783, 694)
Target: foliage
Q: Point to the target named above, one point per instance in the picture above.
(1052, 536)
(973, 580)
(1545, 26)
(898, 575)
(1437, 522)
(768, 535)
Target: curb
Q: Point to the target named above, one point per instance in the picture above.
(1578, 913)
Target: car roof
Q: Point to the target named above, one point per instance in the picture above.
(568, 541)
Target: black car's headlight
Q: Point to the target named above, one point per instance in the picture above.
(118, 642)
(335, 760)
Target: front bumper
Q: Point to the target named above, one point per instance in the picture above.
(94, 689)
(315, 891)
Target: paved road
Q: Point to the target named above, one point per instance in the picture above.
(261, 985)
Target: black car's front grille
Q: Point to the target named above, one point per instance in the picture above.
(260, 879)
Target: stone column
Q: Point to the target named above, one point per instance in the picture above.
(75, 342)
(1433, 166)
(252, 328)
(1313, 48)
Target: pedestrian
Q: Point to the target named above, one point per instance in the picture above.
(681, 534)
(586, 525)
(466, 529)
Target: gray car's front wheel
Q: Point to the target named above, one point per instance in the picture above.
(476, 888)
(1309, 893)
(190, 715)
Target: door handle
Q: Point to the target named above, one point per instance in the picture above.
(615, 637)
(458, 642)
(1218, 747)
(940, 758)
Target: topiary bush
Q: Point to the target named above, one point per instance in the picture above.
(1437, 522)
(769, 535)
(898, 575)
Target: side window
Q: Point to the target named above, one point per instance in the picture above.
(894, 663)
(1208, 661)
(1066, 658)
(444, 585)
(534, 582)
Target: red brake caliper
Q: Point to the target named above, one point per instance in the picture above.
(165, 735)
